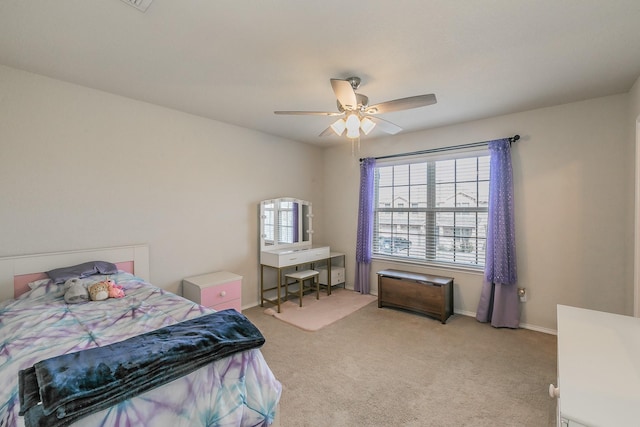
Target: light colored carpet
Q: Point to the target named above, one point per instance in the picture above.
(318, 313)
(385, 367)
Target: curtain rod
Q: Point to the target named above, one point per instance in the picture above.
(512, 139)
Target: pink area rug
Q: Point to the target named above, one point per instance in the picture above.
(316, 314)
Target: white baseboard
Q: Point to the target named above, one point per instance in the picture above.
(539, 329)
(465, 313)
(473, 314)
(522, 325)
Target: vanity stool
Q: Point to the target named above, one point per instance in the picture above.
(300, 277)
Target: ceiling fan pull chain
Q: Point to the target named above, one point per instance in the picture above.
(353, 146)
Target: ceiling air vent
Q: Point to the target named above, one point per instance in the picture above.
(141, 5)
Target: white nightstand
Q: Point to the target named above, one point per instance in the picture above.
(220, 290)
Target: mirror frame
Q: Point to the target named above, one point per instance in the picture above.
(305, 224)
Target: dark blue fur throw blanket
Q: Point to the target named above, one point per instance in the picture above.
(60, 390)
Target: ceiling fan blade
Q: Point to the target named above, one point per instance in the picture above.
(385, 125)
(345, 94)
(327, 131)
(310, 113)
(402, 104)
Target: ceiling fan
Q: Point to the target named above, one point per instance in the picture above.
(356, 113)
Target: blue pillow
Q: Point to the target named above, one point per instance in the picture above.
(61, 275)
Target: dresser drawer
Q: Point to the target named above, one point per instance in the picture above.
(287, 257)
(337, 276)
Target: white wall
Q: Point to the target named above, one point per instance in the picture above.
(634, 129)
(634, 101)
(574, 201)
(80, 168)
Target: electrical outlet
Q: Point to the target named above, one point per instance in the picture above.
(522, 293)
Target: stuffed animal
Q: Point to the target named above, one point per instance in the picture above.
(75, 291)
(99, 291)
(115, 291)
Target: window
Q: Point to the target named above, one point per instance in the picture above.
(269, 221)
(433, 210)
(286, 222)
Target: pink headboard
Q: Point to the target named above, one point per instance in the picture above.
(17, 271)
(21, 282)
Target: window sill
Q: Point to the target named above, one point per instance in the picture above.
(440, 266)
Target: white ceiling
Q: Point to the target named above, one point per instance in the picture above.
(237, 61)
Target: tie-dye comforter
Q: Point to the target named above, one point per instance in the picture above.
(239, 390)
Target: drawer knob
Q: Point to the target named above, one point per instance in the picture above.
(223, 293)
(554, 392)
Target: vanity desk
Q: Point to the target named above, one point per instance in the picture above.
(286, 244)
(293, 259)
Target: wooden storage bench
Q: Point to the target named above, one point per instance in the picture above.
(421, 293)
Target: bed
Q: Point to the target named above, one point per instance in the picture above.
(36, 325)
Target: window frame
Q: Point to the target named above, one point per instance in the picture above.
(431, 241)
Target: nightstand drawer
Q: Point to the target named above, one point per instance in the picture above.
(235, 304)
(219, 294)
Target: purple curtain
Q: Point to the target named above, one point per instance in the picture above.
(365, 227)
(499, 302)
(296, 224)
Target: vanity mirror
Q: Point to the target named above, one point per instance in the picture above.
(285, 244)
(285, 223)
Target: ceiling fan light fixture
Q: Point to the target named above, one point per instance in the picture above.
(367, 125)
(351, 134)
(353, 126)
(339, 126)
(353, 122)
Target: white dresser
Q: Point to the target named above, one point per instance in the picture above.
(598, 368)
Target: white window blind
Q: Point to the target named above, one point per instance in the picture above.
(286, 222)
(433, 209)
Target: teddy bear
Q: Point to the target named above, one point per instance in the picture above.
(75, 291)
(99, 291)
